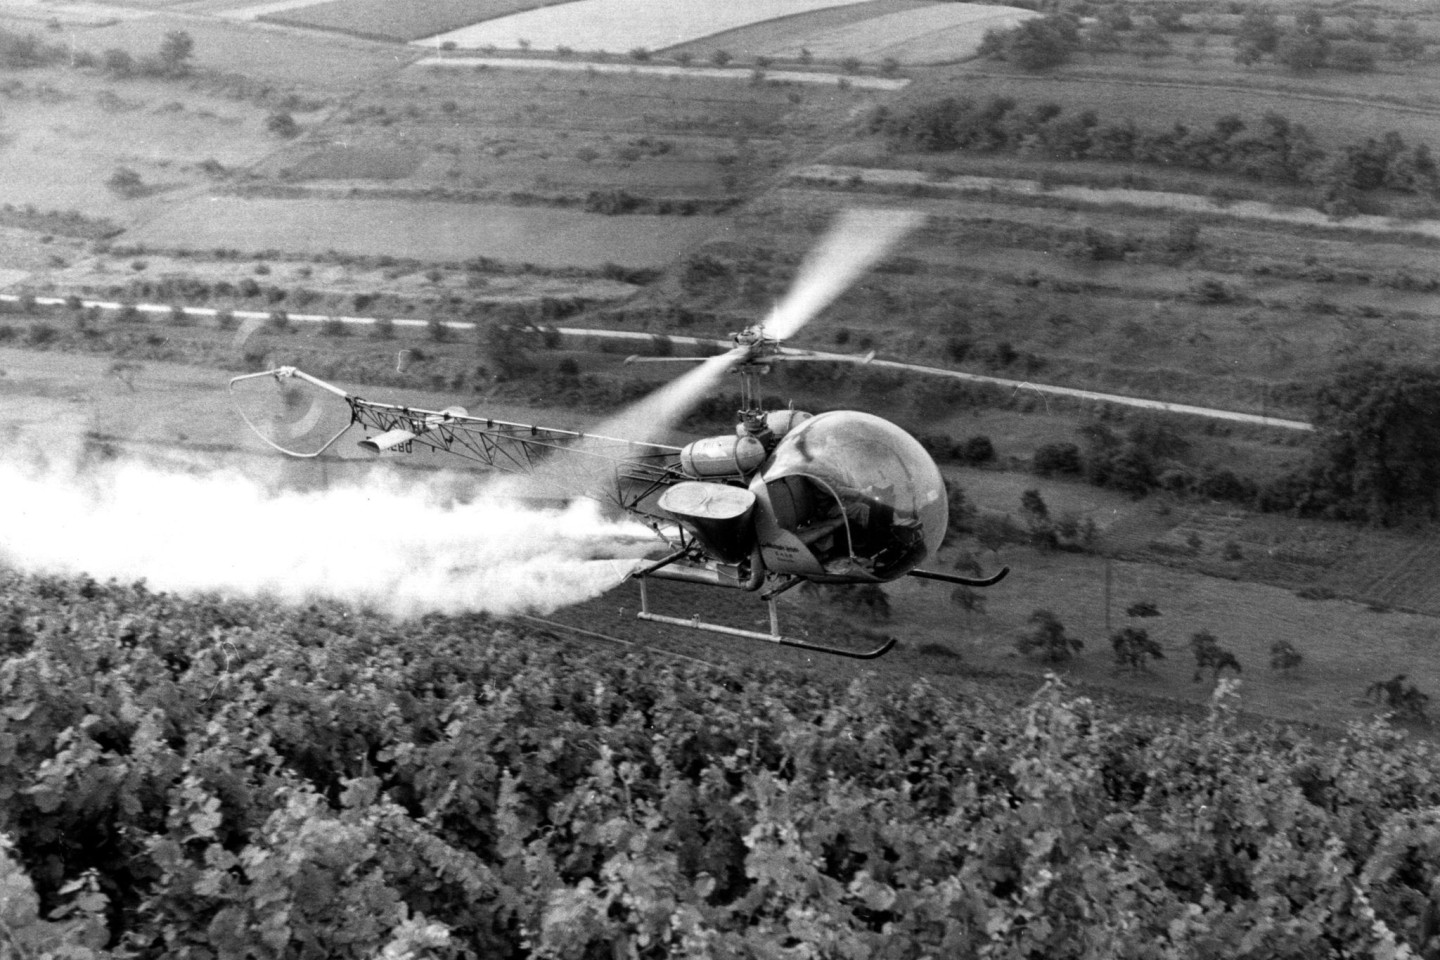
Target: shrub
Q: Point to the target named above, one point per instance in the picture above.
(282, 124)
(1284, 656)
(977, 449)
(126, 182)
(1134, 648)
(1051, 459)
(1047, 639)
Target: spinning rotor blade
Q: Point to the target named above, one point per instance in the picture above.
(857, 241)
(651, 418)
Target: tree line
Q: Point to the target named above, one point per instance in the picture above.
(1375, 457)
(1272, 149)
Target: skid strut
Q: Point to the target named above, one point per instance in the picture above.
(774, 636)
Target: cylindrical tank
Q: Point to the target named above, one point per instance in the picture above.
(722, 457)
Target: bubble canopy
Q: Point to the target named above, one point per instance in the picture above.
(870, 502)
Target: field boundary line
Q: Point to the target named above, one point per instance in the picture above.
(666, 70)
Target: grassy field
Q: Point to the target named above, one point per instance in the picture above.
(425, 231)
(1333, 112)
(385, 20)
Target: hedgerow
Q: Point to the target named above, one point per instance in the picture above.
(226, 778)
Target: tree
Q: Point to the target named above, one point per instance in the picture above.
(509, 350)
(1302, 52)
(1378, 428)
(1047, 638)
(118, 62)
(1259, 31)
(1036, 514)
(1043, 43)
(126, 182)
(1209, 655)
(1405, 44)
(1053, 458)
(961, 511)
(1284, 656)
(282, 124)
(175, 52)
(1134, 648)
(1405, 700)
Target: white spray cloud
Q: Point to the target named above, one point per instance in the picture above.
(399, 545)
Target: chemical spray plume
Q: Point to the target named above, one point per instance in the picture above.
(390, 544)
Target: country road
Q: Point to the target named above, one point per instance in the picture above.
(1044, 389)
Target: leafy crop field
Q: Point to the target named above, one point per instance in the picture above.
(621, 25)
(386, 20)
(184, 775)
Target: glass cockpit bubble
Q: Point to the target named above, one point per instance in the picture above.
(862, 494)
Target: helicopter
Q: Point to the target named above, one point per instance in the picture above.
(842, 497)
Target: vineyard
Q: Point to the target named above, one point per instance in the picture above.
(201, 777)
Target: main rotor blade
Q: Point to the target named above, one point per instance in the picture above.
(858, 240)
(652, 417)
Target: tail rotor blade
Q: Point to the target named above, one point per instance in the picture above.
(857, 241)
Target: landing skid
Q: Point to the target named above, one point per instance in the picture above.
(774, 636)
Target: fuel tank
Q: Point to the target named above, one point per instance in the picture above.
(726, 456)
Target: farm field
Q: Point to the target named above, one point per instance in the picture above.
(425, 231)
(65, 139)
(289, 176)
(398, 171)
(617, 26)
(1370, 107)
(942, 33)
(385, 20)
(982, 275)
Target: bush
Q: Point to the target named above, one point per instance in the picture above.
(1051, 459)
(126, 182)
(1047, 639)
(977, 449)
(1135, 648)
(282, 124)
